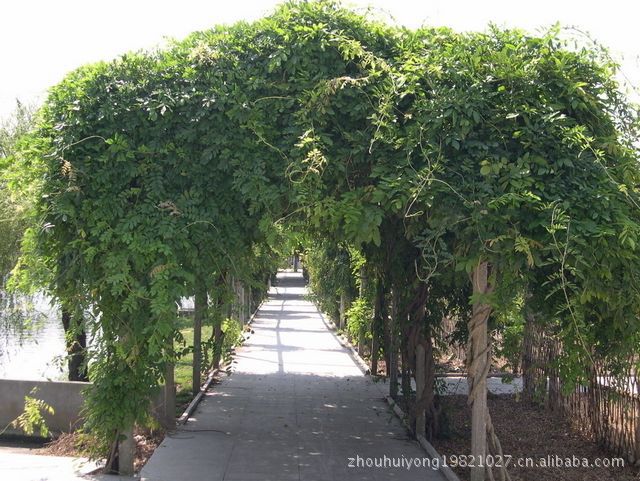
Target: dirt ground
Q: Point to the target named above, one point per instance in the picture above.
(528, 431)
(70, 444)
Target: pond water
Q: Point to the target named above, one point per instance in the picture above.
(32, 343)
(31, 340)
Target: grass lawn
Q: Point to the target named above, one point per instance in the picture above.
(183, 369)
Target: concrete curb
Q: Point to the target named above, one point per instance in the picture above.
(424, 444)
(184, 417)
(344, 342)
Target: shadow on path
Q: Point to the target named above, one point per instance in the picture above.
(296, 407)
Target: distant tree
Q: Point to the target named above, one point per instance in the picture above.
(13, 211)
(19, 179)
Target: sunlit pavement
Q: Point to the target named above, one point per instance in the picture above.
(21, 464)
(295, 408)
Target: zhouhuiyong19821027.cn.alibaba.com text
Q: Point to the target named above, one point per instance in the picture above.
(469, 461)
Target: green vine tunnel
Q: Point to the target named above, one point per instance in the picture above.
(430, 154)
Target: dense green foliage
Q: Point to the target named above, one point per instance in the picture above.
(359, 317)
(425, 152)
(511, 149)
(525, 147)
(330, 276)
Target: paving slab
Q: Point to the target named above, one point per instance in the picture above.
(296, 407)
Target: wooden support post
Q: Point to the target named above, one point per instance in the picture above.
(234, 303)
(343, 310)
(528, 367)
(361, 341)
(169, 395)
(240, 300)
(420, 387)
(376, 323)
(392, 368)
(247, 304)
(362, 293)
(478, 360)
(364, 282)
(126, 453)
(636, 433)
(200, 309)
(167, 414)
(374, 354)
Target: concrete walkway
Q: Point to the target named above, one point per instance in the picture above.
(297, 407)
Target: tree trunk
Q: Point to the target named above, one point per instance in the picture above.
(375, 354)
(343, 310)
(432, 410)
(234, 309)
(528, 361)
(406, 376)
(377, 324)
(420, 388)
(242, 301)
(483, 436)
(218, 334)
(478, 367)
(218, 339)
(200, 310)
(386, 339)
(76, 345)
(168, 414)
(169, 395)
(362, 294)
(364, 282)
(392, 365)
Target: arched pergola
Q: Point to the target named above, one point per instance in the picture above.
(468, 171)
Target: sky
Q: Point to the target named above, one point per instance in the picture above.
(42, 40)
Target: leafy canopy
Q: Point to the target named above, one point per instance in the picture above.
(427, 150)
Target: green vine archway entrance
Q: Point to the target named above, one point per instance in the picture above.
(431, 156)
